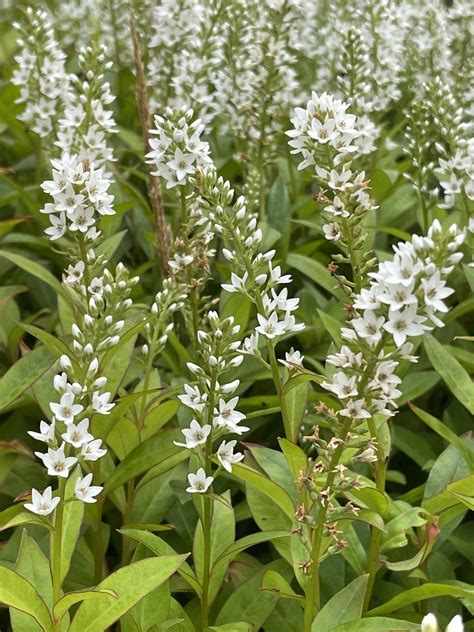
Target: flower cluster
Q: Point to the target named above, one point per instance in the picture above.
(212, 401)
(87, 121)
(327, 136)
(41, 75)
(187, 37)
(405, 298)
(178, 149)
(80, 386)
(80, 194)
(253, 273)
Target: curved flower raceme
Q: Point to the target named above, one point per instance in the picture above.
(213, 402)
(406, 298)
(178, 149)
(330, 137)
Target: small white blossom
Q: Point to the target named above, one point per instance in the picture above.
(42, 504)
(199, 482)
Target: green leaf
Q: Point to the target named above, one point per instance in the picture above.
(426, 591)
(315, 271)
(222, 536)
(62, 606)
(72, 520)
(17, 592)
(160, 547)
(238, 626)
(332, 326)
(6, 225)
(303, 377)
(130, 584)
(36, 270)
(33, 565)
(295, 400)
(454, 375)
(273, 582)
(279, 212)
(266, 486)
(295, 457)
(250, 540)
(23, 374)
(410, 564)
(110, 245)
(448, 435)
(377, 624)
(157, 450)
(16, 515)
(53, 343)
(248, 603)
(344, 606)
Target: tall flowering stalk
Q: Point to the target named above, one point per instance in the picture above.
(329, 139)
(99, 296)
(253, 274)
(405, 299)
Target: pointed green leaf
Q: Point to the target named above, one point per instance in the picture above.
(426, 591)
(344, 606)
(454, 375)
(377, 624)
(62, 606)
(160, 548)
(17, 592)
(23, 374)
(130, 584)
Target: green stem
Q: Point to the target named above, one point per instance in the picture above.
(376, 534)
(56, 546)
(207, 511)
(312, 603)
(281, 398)
(99, 545)
(192, 290)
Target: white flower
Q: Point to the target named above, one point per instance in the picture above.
(341, 385)
(226, 455)
(332, 232)
(355, 409)
(195, 435)
(226, 416)
(397, 295)
(236, 284)
(368, 299)
(430, 624)
(100, 403)
(199, 482)
(282, 302)
(270, 327)
(42, 504)
(404, 323)
(250, 345)
(78, 435)
(46, 433)
(369, 327)
(435, 291)
(92, 451)
(58, 227)
(193, 398)
(57, 463)
(455, 625)
(85, 491)
(66, 410)
(292, 359)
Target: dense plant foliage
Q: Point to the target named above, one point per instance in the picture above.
(236, 343)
